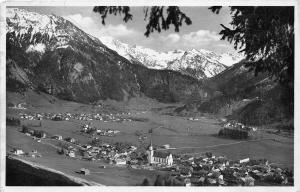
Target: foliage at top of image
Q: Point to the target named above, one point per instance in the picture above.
(266, 35)
(159, 17)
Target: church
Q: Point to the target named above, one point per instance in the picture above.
(155, 157)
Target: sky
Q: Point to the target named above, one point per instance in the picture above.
(202, 34)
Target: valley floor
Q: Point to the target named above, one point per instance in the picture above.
(188, 137)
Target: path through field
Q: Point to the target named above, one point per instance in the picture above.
(212, 146)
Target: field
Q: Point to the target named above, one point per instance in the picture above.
(178, 132)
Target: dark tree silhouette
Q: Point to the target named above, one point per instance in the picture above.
(146, 182)
(158, 17)
(159, 181)
(266, 35)
(167, 180)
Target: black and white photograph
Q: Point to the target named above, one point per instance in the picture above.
(149, 95)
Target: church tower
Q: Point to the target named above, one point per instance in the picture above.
(150, 153)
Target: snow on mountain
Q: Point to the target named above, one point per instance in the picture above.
(197, 63)
(21, 21)
(150, 58)
(34, 27)
(50, 54)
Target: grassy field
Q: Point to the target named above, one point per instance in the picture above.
(176, 131)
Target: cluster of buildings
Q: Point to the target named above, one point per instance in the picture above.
(20, 152)
(20, 106)
(206, 170)
(237, 125)
(219, 171)
(104, 152)
(33, 132)
(209, 170)
(193, 119)
(118, 117)
(236, 130)
(87, 128)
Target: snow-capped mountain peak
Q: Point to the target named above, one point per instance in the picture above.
(197, 63)
(36, 29)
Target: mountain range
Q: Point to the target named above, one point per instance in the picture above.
(48, 53)
(200, 64)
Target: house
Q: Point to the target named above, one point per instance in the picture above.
(71, 153)
(185, 172)
(18, 151)
(133, 148)
(31, 132)
(57, 118)
(39, 134)
(34, 154)
(120, 161)
(57, 137)
(244, 160)
(86, 146)
(71, 140)
(156, 157)
(187, 182)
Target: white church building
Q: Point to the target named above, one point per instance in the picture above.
(157, 157)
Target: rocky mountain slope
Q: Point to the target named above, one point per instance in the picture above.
(254, 100)
(48, 53)
(200, 64)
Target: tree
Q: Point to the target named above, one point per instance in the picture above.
(146, 182)
(25, 129)
(158, 17)
(167, 180)
(266, 35)
(159, 181)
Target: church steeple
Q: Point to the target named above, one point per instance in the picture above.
(150, 153)
(150, 146)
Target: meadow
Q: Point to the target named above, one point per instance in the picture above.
(178, 132)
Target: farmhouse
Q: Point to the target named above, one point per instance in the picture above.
(17, 151)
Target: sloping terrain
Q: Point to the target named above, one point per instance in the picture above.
(254, 100)
(49, 54)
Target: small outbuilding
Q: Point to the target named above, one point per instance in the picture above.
(84, 171)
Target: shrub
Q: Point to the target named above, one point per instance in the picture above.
(146, 182)
(25, 129)
(13, 121)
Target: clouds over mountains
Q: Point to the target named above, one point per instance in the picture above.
(164, 41)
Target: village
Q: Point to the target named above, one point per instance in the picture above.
(117, 117)
(203, 169)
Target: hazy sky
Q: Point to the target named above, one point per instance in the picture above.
(203, 33)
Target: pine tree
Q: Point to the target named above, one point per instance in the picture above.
(265, 34)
